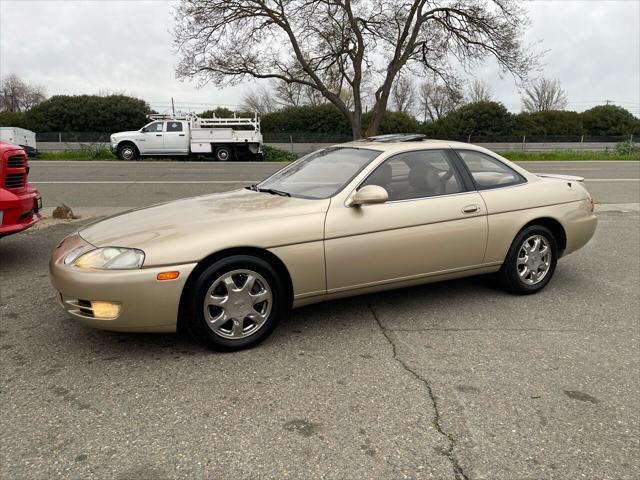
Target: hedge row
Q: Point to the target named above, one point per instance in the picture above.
(90, 113)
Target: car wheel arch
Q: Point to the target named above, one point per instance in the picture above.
(260, 253)
(555, 227)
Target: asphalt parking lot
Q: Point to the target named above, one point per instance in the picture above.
(443, 381)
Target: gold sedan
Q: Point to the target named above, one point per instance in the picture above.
(355, 218)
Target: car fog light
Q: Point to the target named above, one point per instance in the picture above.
(105, 310)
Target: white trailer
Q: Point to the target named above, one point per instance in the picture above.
(235, 138)
(20, 136)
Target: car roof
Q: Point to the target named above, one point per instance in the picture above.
(401, 146)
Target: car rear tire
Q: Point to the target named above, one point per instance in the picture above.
(222, 154)
(235, 303)
(128, 152)
(530, 262)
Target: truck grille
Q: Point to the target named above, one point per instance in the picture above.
(15, 162)
(14, 180)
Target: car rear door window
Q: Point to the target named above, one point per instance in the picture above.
(416, 174)
(488, 172)
(174, 126)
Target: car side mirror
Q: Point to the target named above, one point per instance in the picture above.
(369, 195)
(143, 130)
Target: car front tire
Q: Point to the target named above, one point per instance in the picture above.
(127, 152)
(235, 303)
(530, 262)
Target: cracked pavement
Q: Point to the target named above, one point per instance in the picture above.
(455, 380)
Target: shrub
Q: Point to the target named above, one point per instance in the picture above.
(272, 154)
(609, 120)
(88, 113)
(626, 148)
(479, 119)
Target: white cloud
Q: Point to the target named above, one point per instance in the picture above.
(74, 47)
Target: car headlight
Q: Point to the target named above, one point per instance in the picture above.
(110, 258)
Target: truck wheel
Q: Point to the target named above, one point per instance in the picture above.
(127, 152)
(222, 154)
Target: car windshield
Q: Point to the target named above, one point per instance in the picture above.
(320, 174)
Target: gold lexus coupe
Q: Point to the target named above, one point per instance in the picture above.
(360, 217)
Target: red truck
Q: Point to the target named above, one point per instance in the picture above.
(19, 201)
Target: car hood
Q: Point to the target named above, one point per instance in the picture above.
(192, 228)
(125, 134)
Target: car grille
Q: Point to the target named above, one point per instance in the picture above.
(15, 162)
(14, 180)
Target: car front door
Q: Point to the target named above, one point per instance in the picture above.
(175, 138)
(433, 223)
(152, 138)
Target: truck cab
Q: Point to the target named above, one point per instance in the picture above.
(236, 138)
(20, 202)
(155, 138)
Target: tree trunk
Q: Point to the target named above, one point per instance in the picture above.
(356, 126)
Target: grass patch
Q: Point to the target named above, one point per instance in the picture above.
(568, 155)
(272, 154)
(86, 152)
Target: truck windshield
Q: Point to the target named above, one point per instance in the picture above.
(320, 174)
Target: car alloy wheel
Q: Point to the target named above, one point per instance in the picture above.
(238, 304)
(530, 262)
(534, 259)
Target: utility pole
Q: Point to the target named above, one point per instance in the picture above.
(173, 108)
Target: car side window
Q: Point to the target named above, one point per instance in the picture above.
(488, 172)
(155, 127)
(416, 174)
(174, 126)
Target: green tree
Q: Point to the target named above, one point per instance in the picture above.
(88, 113)
(13, 119)
(548, 123)
(609, 120)
(479, 119)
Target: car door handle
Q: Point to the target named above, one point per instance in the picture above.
(470, 209)
(158, 134)
(181, 134)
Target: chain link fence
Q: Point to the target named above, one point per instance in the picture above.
(301, 142)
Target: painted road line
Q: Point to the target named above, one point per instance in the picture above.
(144, 182)
(229, 182)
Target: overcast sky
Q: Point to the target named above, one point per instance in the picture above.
(75, 47)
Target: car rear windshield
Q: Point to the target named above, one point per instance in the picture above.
(320, 174)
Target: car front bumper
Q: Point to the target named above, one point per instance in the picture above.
(19, 210)
(146, 304)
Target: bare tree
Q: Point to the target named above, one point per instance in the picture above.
(403, 95)
(544, 94)
(437, 100)
(479, 91)
(330, 45)
(296, 94)
(16, 95)
(290, 94)
(261, 100)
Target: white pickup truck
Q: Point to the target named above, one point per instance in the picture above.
(223, 138)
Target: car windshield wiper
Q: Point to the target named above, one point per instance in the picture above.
(272, 191)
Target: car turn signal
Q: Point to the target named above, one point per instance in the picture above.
(168, 275)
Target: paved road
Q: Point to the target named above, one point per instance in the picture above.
(129, 184)
(452, 380)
